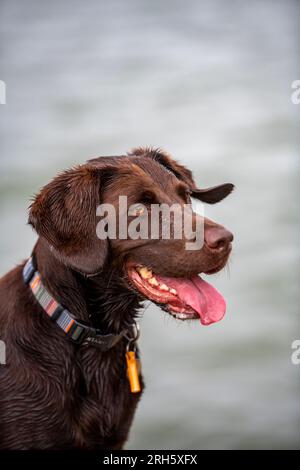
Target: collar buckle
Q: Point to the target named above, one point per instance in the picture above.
(132, 339)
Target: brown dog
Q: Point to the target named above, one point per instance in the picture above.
(67, 328)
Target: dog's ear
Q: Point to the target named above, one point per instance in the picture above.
(214, 194)
(64, 214)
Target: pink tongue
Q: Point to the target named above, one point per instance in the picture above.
(201, 296)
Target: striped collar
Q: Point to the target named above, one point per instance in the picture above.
(74, 330)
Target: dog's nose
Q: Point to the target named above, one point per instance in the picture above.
(217, 238)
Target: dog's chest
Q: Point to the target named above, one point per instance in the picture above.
(83, 401)
(104, 403)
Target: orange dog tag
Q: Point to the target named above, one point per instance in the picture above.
(133, 372)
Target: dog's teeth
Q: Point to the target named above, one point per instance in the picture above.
(163, 287)
(153, 281)
(173, 291)
(145, 272)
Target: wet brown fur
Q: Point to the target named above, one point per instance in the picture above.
(55, 394)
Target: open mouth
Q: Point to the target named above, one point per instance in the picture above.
(185, 299)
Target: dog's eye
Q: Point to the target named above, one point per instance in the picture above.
(137, 210)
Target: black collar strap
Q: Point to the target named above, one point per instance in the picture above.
(75, 330)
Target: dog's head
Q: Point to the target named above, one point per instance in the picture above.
(160, 268)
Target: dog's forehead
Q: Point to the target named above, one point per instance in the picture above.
(157, 172)
(138, 167)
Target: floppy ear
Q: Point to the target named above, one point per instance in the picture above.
(214, 194)
(64, 214)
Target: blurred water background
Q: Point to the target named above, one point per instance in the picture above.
(210, 82)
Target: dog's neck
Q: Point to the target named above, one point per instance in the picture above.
(103, 300)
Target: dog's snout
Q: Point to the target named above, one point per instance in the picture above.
(217, 238)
